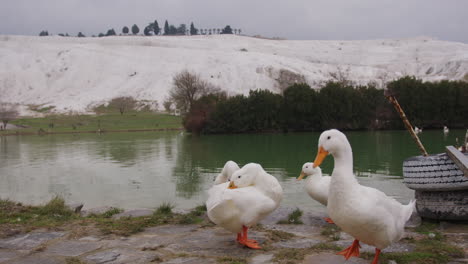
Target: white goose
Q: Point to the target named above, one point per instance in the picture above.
(250, 196)
(316, 185)
(229, 168)
(365, 213)
(446, 130)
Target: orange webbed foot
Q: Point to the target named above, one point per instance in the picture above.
(250, 243)
(351, 251)
(328, 220)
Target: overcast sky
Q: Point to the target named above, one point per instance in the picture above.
(292, 19)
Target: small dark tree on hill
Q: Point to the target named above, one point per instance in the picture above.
(147, 31)
(123, 104)
(135, 29)
(193, 29)
(44, 33)
(166, 28)
(156, 28)
(181, 29)
(227, 30)
(101, 35)
(80, 35)
(110, 32)
(7, 113)
(125, 30)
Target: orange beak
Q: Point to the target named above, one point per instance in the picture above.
(321, 155)
(232, 185)
(301, 176)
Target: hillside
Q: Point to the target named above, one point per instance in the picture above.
(73, 74)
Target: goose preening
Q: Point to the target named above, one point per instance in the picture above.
(250, 195)
(365, 213)
(316, 185)
(229, 168)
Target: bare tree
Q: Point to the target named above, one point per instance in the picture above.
(8, 113)
(123, 103)
(188, 87)
(341, 76)
(167, 105)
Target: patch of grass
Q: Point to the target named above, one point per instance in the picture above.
(293, 218)
(61, 123)
(278, 235)
(332, 232)
(15, 217)
(289, 255)
(164, 209)
(426, 227)
(428, 250)
(113, 211)
(326, 247)
(231, 260)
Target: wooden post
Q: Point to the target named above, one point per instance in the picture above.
(408, 125)
(458, 158)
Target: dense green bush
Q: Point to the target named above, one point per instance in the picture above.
(336, 105)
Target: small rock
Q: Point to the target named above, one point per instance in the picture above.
(134, 213)
(262, 259)
(431, 235)
(75, 207)
(72, 248)
(392, 262)
(29, 241)
(103, 257)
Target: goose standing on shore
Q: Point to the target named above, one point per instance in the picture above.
(316, 185)
(446, 130)
(365, 213)
(250, 195)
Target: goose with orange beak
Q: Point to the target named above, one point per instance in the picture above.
(367, 214)
(316, 185)
(238, 204)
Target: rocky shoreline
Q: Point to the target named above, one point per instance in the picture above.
(314, 241)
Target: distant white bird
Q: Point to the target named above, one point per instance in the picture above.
(229, 168)
(251, 195)
(417, 130)
(316, 185)
(367, 214)
(446, 130)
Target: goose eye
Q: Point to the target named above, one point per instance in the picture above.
(307, 167)
(239, 177)
(328, 137)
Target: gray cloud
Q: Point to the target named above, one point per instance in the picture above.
(292, 19)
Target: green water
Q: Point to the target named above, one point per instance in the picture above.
(143, 170)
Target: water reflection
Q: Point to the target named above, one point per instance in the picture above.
(132, 170)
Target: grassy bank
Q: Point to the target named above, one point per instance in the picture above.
(108, 122)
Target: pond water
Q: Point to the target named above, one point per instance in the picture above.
(143, 170)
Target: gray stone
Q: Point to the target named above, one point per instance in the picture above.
(262, 259)
(395, 247)
(297, 243)
(298, 230)
(214, 242)
(29, 241)
(7, 255)
(89, 238)
(72, 248)
(130, 255)
(75, 207)
(97, 210)
(103, 257)
(192, 260)
(171, 229)
(38, 259)
(330, 258)
(134, 213)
